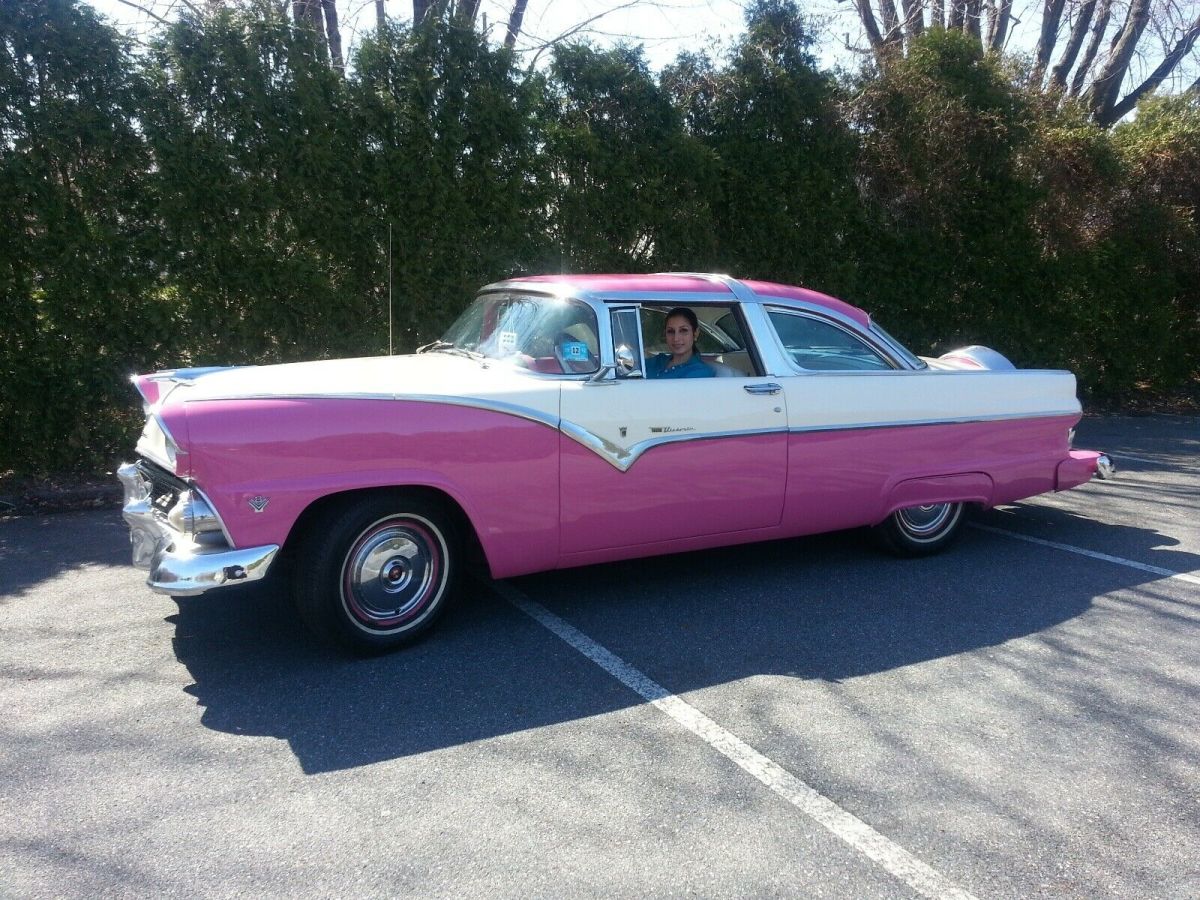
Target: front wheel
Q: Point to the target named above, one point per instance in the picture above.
(921, 530)
(379, 574)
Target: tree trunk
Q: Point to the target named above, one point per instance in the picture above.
(420, 8)
(467, 11)
(1093, 47)
(891, 22)
(954, 19)
(1051, 15)
(334, 34)
(998, 35)
(380, 15)
(914, 17)
(1058, 75)
(871, 27)
(1101, 97)
(514, 23)
(971, 18)
(308, 13)
(1170, 61)
(937, 14)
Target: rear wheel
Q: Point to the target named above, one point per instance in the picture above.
(378, 574)
(921, 530)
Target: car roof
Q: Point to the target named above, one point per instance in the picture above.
(675, 283)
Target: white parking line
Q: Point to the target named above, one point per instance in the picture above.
(1141, 459)
(1119, 560)
(855, 832)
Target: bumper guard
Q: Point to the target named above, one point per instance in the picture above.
(182, 564)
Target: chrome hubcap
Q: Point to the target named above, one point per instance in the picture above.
(391, 573)
(924, 522)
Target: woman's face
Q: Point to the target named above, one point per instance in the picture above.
(680, 336)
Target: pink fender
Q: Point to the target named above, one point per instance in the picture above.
(493, 465)
(969, 487)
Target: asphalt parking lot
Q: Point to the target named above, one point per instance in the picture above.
(1019, 717)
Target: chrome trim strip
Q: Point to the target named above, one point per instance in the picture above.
(916, 423)
(739, 289)
(623, 459)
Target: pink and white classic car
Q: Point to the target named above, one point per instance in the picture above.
(529, 438)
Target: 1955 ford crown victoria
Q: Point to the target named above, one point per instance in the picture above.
(528, 439)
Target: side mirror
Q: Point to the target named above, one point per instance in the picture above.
(627, 363)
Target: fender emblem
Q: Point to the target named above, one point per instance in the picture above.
(259, 503)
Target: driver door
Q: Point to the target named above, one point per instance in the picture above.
(649, 461)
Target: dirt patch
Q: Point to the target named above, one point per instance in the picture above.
(24, 495)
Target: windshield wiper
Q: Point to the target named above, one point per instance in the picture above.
(434, 345)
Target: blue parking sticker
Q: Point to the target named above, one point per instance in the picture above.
(575, 351)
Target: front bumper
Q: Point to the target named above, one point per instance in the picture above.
(182, 564)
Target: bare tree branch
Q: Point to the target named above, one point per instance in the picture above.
(1101, 97)
(1051, 15)
(1003, 20)
(143, 9)
(870, 26)
(937, 14)
(914, 17)
(1058, 75)
(1093, 47)
(891, 22)
(1170, 61)
(515, 21)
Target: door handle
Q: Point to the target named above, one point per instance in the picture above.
(769, 388)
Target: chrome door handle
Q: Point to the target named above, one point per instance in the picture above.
(769, 388)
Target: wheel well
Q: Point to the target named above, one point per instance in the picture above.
(325, 506)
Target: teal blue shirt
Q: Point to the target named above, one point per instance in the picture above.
(656, 367)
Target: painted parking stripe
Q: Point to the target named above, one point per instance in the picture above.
(1121, 561)
(855, 832)
(1141, 459)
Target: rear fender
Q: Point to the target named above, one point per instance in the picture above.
(966, 487)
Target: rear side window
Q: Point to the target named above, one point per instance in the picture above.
(820, 346)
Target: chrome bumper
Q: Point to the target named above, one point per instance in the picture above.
(1104, 467)
(182, 564)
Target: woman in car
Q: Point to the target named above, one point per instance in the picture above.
(684, 360)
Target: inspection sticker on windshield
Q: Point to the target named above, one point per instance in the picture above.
(506, 342)
(576, 351)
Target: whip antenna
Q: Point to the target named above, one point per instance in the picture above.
(389, 288)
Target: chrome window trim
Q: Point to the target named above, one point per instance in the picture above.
(841, 323)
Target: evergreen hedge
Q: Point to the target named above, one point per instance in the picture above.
(225, 197)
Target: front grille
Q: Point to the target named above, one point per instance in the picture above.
(165, 488)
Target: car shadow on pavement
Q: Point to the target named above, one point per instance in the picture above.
(828, 608)
(37, 548)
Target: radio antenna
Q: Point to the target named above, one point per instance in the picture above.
(389, 288)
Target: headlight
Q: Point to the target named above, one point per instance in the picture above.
(156, 444)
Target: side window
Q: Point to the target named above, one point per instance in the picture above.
(821, 346)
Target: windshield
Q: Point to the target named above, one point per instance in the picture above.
(555, 336)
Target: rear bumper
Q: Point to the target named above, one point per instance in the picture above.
(1082, 466)
(182, 564)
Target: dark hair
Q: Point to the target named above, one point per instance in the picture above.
(687, 314)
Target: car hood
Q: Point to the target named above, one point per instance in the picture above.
(427, 375)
